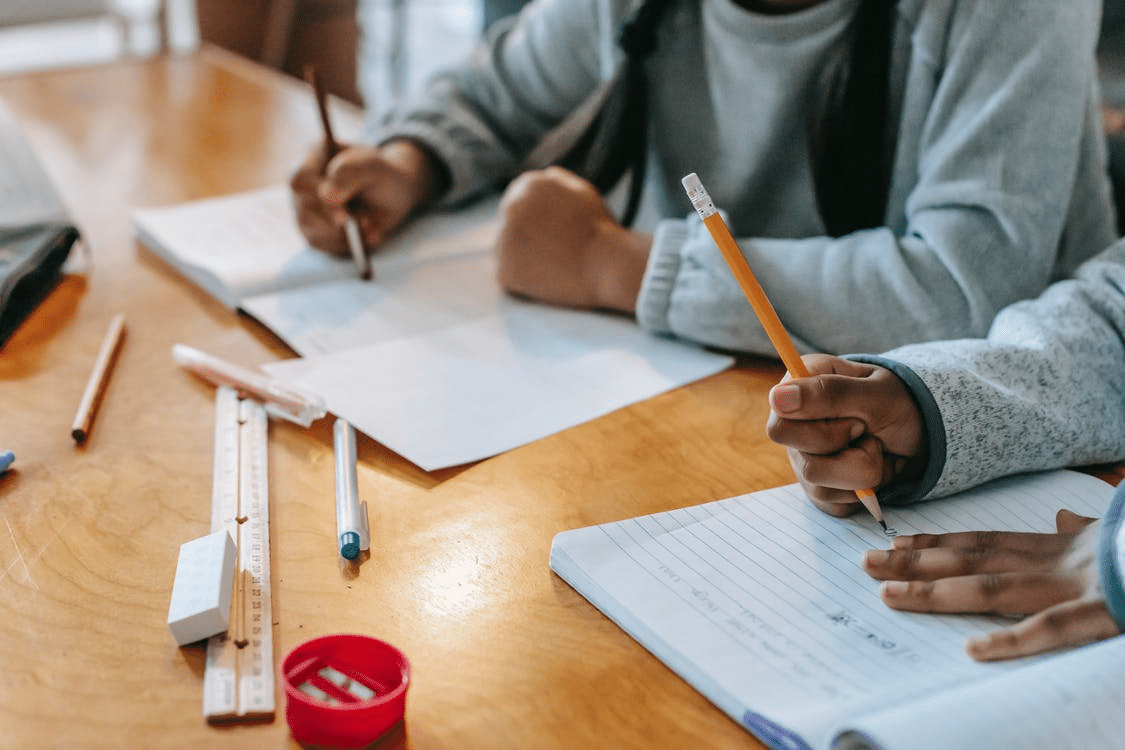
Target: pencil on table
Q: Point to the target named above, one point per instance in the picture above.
(776, 332)
(99, 376)
(331, 148)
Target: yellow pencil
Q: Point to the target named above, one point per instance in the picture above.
(758, 300)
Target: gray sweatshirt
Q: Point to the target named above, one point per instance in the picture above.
(999, 183)
(1045, 390)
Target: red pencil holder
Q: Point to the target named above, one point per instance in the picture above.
(344, 691)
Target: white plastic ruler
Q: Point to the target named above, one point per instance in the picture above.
(238, 684)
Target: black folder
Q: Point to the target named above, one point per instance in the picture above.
(31, 260)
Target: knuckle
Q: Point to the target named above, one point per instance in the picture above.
(819, 363)
(993, 585)
(904, 563)
(924, 540)
(775, 430)
(780, 430)
(981, 549)
(1056, 620)
(973, 557)
(914, 594)
(920, 590)
(985, 538)
(812, 468)
(826, 389)
(345, 172)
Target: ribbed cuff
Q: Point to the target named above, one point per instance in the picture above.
(932, 422)
(655, 297)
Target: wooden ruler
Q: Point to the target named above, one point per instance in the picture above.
(238, 684)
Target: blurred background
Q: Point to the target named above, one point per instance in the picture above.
(368, 51)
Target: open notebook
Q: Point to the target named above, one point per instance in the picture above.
(759, 602)
(431, 358)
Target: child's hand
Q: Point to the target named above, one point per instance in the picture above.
(380, 187)
(559, 243)
(1051, 577)
(850, 426)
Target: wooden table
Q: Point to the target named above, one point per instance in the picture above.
(505, 655)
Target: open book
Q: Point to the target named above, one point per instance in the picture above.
(760, 603)
(430, 358)
(235, 246)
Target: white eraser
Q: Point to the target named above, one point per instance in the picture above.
(201, 593)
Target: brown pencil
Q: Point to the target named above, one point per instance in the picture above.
(331, 148)
(99, 376)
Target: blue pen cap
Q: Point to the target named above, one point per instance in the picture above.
(349, 545)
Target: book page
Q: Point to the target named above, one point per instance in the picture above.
(1070, 701)
(239, 245)
(760, 602)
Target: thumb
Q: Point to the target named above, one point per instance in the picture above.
(345, 177)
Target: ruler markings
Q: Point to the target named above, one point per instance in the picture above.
(238, 684)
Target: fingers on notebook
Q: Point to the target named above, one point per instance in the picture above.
(1065, 625)
(933, 556)
(1003, 593)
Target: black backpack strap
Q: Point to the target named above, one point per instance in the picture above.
(606, 136)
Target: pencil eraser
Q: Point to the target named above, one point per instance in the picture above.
(201, 593)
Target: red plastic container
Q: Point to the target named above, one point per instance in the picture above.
(344, 691)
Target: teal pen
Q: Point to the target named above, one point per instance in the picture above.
(351, 515)
(6, 460)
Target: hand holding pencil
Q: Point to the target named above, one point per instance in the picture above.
(331, 148)
(776, 332)
(852, 424)
(374, 189)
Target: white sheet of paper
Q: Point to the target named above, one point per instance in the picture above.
(431, 357)
(464, 392)
(436, 362)
(408, 301)
(439, 272)
(760, 602)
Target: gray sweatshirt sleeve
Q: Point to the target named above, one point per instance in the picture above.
(1045, 390)
(482, 117)
(987, 176)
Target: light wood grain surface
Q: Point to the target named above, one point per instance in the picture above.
(505, 655)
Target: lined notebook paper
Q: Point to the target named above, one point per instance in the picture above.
(760, 603)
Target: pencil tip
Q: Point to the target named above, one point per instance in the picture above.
(883, 524)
